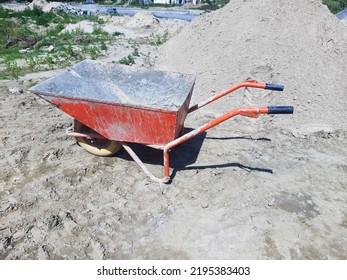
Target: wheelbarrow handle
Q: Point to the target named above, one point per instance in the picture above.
(249, 112)
(280, 109)
(248, 83)
(274, 87)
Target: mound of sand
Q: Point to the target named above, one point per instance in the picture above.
(84, 25)
(143, 20)
(301, 45)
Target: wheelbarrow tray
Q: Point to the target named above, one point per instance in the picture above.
(122, 103)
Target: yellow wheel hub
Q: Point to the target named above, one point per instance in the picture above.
(98, 146)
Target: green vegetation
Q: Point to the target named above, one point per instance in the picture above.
(135, 52)
(128, 60)
(24, 48)
(335, 5)
(136, 4)
(161, 39)
(13, 70)
(116, 33)
(216, 4)
(37, 16)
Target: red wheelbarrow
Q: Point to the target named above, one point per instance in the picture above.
(113, 105)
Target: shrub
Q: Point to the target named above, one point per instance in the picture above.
(129, 60)
(335, 5)
(12, 33)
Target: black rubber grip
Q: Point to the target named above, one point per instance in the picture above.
(280, 110)
(274, 87)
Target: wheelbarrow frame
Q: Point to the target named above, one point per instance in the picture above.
(249, 112)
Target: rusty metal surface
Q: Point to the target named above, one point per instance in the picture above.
(113, 83)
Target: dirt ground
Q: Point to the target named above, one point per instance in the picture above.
(239, 191)
(236, 185)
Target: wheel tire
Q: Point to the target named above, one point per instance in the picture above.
(96, 146)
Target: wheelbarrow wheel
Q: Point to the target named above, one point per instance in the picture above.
(96, 146)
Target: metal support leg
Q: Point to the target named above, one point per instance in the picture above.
(166, 179)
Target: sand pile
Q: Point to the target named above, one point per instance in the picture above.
(143, 20)
(84, 25)
(299, 44)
